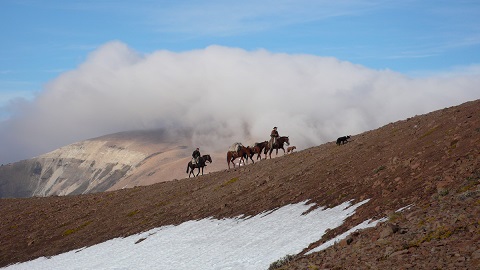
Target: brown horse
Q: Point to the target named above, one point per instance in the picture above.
(257, 149)
(250, 154)
(242, 153)
(278, 145)
(201, 163)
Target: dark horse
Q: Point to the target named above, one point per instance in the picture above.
(242, 153)
(201, 163)
(277, 145)
(257, 149)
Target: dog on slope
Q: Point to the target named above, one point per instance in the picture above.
(290, 149)
(343, 140)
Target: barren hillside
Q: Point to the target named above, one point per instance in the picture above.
(430, 163)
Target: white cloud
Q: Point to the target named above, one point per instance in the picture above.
(223, 95)
(9, 96)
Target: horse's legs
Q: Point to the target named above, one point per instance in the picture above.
(228, 160)
(188, 169)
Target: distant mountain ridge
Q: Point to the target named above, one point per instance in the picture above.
(108, 162)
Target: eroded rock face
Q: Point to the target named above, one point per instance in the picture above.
(93, 165)
(78, 168)
(84, 167)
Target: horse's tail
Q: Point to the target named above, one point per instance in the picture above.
(188, 167)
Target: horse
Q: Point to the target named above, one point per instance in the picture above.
(257, 149)
(243, 152)
(250, 154)
(199, 165)
(278, 145)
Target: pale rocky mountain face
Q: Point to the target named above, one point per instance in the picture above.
(110, 162)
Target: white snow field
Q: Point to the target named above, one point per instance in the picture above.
(237, 243)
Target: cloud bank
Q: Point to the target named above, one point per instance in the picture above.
(222, 95)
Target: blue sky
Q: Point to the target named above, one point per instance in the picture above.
(41, 39)
(53, 50)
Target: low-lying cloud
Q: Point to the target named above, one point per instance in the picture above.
(222, 95)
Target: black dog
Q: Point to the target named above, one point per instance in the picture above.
(343, 140)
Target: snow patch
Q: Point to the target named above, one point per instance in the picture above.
(236, 243)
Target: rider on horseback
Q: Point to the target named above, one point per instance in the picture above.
(273, 137)
(196, 155)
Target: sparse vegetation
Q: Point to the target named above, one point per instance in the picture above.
(229, 182)
(133, 213)
(281, 262)
(429, 132)
(381, 168)
(394, 217)
(453, 144)
(440, 233)
(425, 221)
(443, 192)
(74, 230)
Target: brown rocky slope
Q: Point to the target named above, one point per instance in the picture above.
(429, 162)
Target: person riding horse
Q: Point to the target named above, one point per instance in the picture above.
(201, 162)
(195, 155)
(273, 137)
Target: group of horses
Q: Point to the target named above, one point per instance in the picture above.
(242, 152)
(246, 152)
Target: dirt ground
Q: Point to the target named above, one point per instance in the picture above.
(429, 162)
